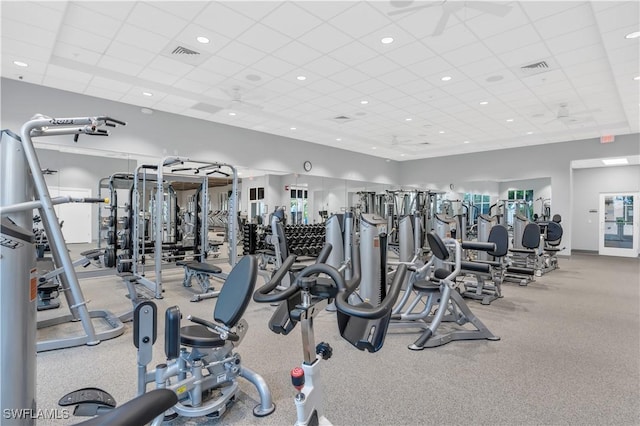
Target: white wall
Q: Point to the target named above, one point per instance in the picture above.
(533, 162)
(587, 186)
(162, 134)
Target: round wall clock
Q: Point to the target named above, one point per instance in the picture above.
(307, 166)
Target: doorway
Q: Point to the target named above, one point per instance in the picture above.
(619, 224)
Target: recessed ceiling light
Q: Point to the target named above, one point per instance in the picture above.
(446, 78)
(338, 139)
(301, 77)
(494, 78)
(292, 128)
(637, 77)
(615, 161)
(387, 160)
(441, 132)
(408, 119)
(147, 93)
(466, 141)
(386, 40)
(364, 102)
(20, 64)
(202, 39)
(634, 34)
(509, 120)
(232, 113)
(373, 147)
(529, 133)
(146, 111)
(402, 155)
(484, 103)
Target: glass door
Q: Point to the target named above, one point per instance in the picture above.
(619, 224)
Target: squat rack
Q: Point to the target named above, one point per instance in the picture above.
(181, 169)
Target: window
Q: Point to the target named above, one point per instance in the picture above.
(256, 204)
(480, 204)
(522, 203)
(299, 206)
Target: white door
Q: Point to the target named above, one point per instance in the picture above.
(619, 224)
(75, 217)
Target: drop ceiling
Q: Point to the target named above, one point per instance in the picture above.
(459, 77)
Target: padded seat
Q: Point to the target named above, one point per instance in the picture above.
(199, 336)
(92, 254)
(426, 286)
(204, 267)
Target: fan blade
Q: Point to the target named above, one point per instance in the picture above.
(442, 24)
(414, 8)
(496, 9)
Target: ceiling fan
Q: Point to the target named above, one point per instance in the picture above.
(449, 8)
(567, 118)
(237, 102)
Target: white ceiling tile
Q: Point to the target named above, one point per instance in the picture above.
(326, 10)
(28, 34)
(119, 65)
(624, 14)
(281, 85)
(347, 95)
(223, 20)
(114, 9)
(415, 86)
(64, 84)
(191, 32)
(170, 66)
(56, 71)
(19, 50)
(158, 76)
(624, 54)
(565, 22)
(221, 66)
(325, 66)
(240, 53)
(578, 56)
(410, 54)
(388, 94)
(432, 66)
(349, 77)
(360, 20)
(84, 39)
(467, 54)
(9, 69)
(255, 10)
(296, 53)
(525, 55)
(75, 53)
(100, 92)
(325, 86)
(129, 53)
(587, 36)
(186, 10)
(487, 24)
(536, 10)
(485, 67)
(627, 70)
(512, 39)
(263, 38)
(108, 83)
(156, 20)
(353, 54)
(378, 66)
(325, 38)
(142, 39)
(397, 77)
(460, 88)
(80, 17)
(616, 38)
(32, 14)
(281, 20)
(421, 22)
(273, 66)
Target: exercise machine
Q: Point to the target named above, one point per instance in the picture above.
(22, 189)
(362, 325)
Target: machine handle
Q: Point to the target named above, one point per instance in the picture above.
(263, 294)
(476, 245)
(379, 311)
(224, 334)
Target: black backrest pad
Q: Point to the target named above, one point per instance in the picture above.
(554, 232)
(282, 240)
(437, 246)
(236, 292)
(531, 236)
(500, 237)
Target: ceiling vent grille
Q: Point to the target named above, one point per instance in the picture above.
(341, 119)
(538, 67)
(180, 50)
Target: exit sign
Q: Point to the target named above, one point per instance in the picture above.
(607, 139)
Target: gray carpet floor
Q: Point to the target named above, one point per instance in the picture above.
(569, 354)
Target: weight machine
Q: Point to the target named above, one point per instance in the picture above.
(23, 188)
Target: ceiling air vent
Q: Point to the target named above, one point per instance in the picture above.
(183, 51)
(341, 119)
(538, 67)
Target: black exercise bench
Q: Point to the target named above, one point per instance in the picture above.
(201, 272)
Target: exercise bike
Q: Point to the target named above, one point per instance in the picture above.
(362, 325)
